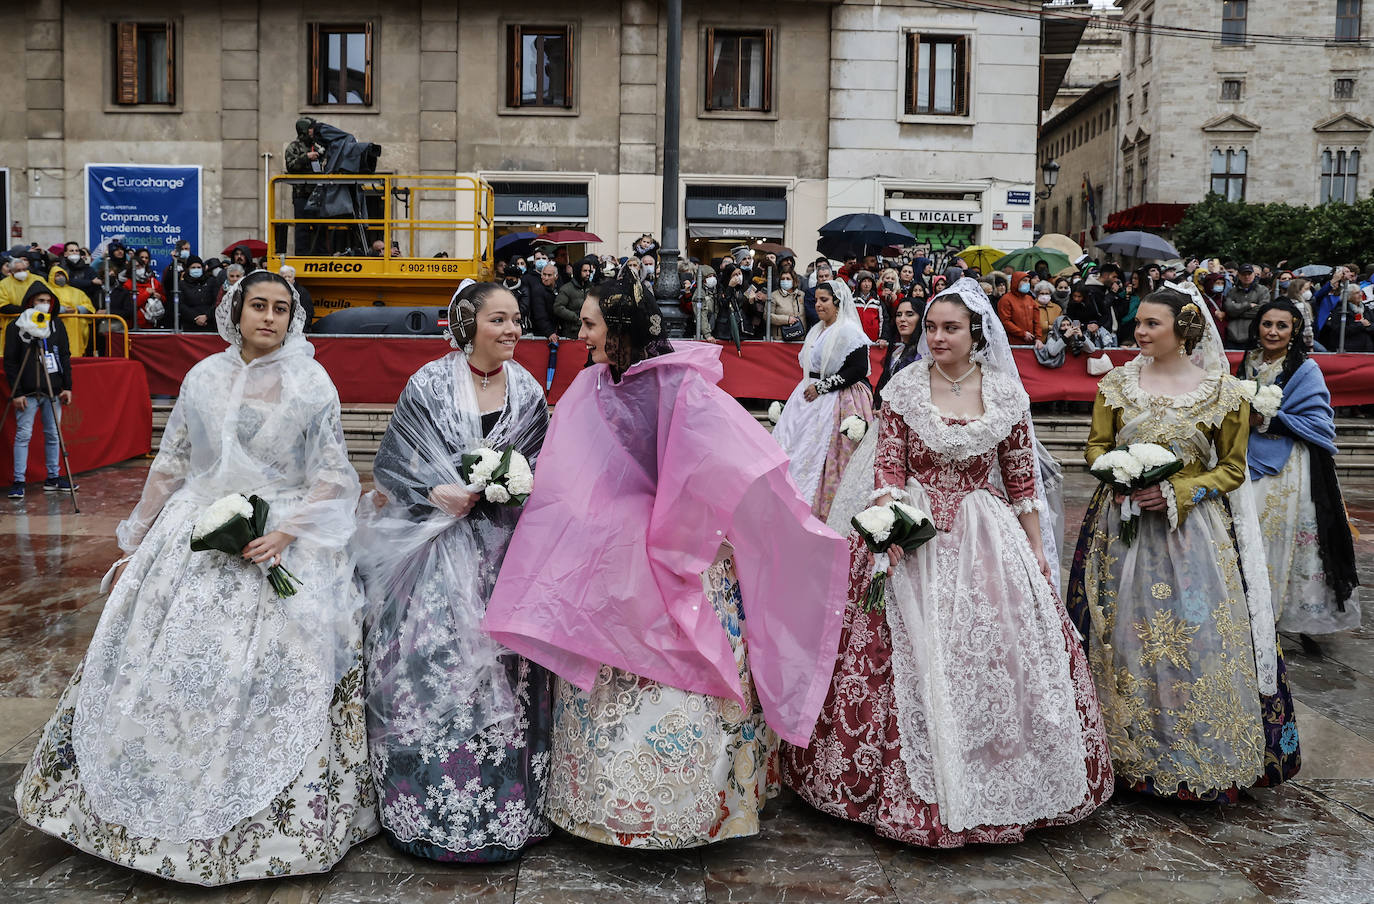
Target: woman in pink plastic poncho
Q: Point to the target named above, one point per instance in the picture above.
(620, 579)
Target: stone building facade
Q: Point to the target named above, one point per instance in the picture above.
(1081, 138)
(793, 112)
(1246, 112)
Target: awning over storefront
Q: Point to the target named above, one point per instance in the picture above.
(1147, 216)
(541, 202)
(742, 231)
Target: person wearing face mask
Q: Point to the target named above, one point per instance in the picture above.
(71, 300)
(648, 271)
(181, 254)
(567, 305)
(80, 273)
(1299, 291)
(704, 299)
(145, 291)
(1016, 310)
(514, 283)
(787, 310)
(39, 371)
(1047, 311)
(198, 294)
(14, 287)
(542, 292)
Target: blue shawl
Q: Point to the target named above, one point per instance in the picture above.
(1304, 414)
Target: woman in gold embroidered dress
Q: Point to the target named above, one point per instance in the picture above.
(1179, 624)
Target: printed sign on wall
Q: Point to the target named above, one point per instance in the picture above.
(144, 206)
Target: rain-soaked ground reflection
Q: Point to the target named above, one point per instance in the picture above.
(1308, 841)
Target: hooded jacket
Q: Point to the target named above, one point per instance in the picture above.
(198, 298)
(73, 301)
(33, 378)
(1017, 311)
(567, 305)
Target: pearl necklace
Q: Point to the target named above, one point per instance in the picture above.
(954, 386)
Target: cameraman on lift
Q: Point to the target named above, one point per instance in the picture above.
(304, 157)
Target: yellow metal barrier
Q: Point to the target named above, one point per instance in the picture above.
(123, 325)
(442, 227)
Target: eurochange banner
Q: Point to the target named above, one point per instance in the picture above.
(144, 206)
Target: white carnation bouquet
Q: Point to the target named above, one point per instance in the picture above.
(502, 477)
(775, 412)
(854, 427)
(1265, 400)
(1134, 467)
(885, 526)
(230, 524)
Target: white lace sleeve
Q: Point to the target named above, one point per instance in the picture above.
(1167, 488)
(1026, 506)
(165, 477)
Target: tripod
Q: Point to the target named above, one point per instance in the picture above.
(56, 415)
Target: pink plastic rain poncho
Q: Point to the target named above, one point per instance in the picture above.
(637, 485)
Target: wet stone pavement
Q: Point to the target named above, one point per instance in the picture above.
(1311, 840)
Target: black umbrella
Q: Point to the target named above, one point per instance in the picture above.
(856, 233)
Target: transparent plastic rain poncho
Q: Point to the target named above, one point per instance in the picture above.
(203, 693)
(434, 677)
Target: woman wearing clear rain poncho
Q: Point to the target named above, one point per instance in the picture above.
(214, 731)
(458, 725)
(963, 711)
(834, 387)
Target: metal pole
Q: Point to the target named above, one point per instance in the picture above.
(176, 292)
(668, 284)
(266, 195)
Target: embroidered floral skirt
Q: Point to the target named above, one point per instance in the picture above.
(643, 765)
(1288, 519)
(856, 766)
(481, 802)
(308, 828)
(1168, 635)
(809, 432)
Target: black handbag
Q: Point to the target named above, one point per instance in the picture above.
(792, 332)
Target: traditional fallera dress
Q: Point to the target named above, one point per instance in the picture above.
(965, 712)
(619, 580)
(215, 732)
(1307, 537)
(835, 359)
(458, 726)
(1179, 625)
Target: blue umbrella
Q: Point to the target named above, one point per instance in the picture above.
(514, 243)
(856, 233)
(553, 366)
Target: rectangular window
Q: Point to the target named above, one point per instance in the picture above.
(1128, 183)
(1147, 36)
(937, 73)
(1130, 107)
(1068, 216)
(739, 70)
(1054, 218)
(341, 65)
(539, 66)
(1347, 20)
(1228, 173)
(1231, 88)
(144, 62)
(1233, 21)
(1143, 164)
(1145, 99)
(1130, 43)
(1343, 89)
(1340, 172)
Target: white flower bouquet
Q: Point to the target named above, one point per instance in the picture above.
(854, 427)
(885, 526)
(1130, 468)
(1265, 400)
(230, 524)
(504, 477)
(775, 412)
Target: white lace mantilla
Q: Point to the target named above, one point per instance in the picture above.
(1005, 403)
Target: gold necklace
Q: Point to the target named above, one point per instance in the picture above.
(954, 383)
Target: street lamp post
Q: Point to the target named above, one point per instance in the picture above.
(668, 284)
(1049, 173)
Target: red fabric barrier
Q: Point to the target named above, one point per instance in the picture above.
(109, 420)
(367, 369)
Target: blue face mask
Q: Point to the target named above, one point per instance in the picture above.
(184, 253)
(196, 272)
(520, 267)
(540, 264)
(1023, 287)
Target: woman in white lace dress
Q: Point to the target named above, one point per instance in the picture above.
(964, 712)
(214, 731)
(834, 386)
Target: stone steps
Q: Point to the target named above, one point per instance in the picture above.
(1064, 435)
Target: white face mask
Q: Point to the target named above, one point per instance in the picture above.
(785, 285)
(1306, 294)
(42, 307)
(74, 258)
(647, 269)
(21, 275)
(710, 282)
(140, 274)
